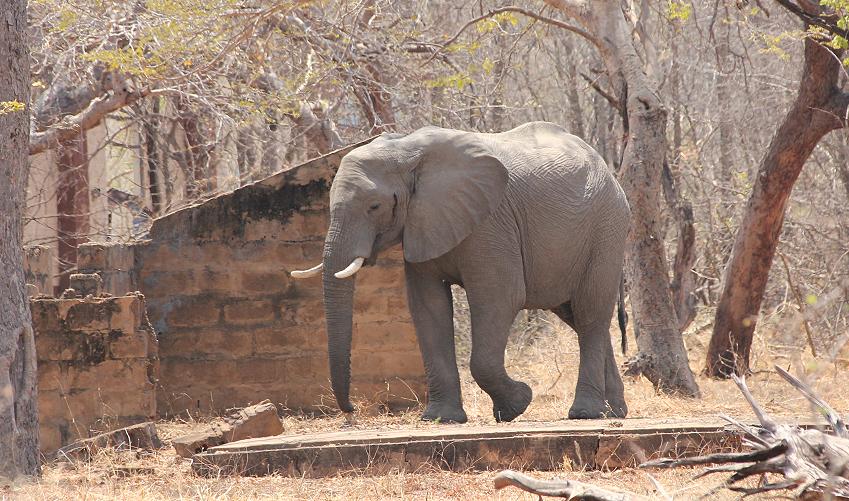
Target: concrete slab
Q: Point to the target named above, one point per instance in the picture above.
(540, 446)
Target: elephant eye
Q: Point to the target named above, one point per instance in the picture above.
(373, 207)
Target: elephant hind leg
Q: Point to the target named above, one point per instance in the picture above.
(599, 391)
(614, 390)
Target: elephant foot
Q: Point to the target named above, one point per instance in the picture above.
(444, 413)
(508, 410)
(598, 410)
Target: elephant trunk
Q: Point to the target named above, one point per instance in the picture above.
(341, 247)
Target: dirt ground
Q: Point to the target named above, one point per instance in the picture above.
(543, 355)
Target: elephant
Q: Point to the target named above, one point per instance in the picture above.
(528, 218)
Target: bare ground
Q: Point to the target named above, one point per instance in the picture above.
(544, 356)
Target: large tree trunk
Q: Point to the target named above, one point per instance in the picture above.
(73, 204)
(18, 402)
(662, 357)
(818, 109)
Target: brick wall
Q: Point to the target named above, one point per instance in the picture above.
(234, 328)
(96, 366)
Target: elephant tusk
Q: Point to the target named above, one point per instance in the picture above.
(315, 270)
(352, 268)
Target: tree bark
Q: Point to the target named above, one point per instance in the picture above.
(662, 357)
(819, 108)
(73, 205)
(18, 402)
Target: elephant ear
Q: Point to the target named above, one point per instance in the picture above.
(458, 183)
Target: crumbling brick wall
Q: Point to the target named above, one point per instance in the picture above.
(234, 328)
(97, 366)
(37, 269)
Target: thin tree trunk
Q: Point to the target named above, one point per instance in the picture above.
(200, 172)
(683, 279)
(723, 104)
(662, 357)
(73, 205)
(568, 76)
(18, 402)
(153, 154)
(818, 109)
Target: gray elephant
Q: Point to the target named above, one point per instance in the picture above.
(528, 218)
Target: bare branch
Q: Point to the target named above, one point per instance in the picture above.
(539, 17)
(86, 119)
(833, 418)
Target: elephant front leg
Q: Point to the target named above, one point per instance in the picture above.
(433, 315)
(491, 324)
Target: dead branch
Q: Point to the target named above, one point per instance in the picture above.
(812, 462)
(92, 115)
(568, 489)
(533, 15)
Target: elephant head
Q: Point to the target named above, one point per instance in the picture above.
(427, 190)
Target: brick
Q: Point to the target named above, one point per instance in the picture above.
(136, 344)
(274, 340)
(262, 229)
(254, 421)
(91, 256)
(50, 377)
(126, 313)
(81, 407)
(213, 279)
(86, 283)
(49, 437)
(259, 370)
(51, 405)
(248, 312)
(386, 364)
(125, 374)
(194, 311)
(403, 364)
(118, 282)
(305, 224)
(45, 315)
(80, 346)
(98, 256)
(383, 336)
(89, 315)
(264, 282)
(302, 312)
(163, 282)
(177, 374)
(371, 304)
(116, 404)
(310, 368)
(209, 343)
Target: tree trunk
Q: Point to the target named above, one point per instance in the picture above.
(200, 169)
(73, 204)
(153, 155)
(818, 109)
(662, 357)
(18, 402)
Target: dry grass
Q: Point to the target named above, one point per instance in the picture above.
(542, 353)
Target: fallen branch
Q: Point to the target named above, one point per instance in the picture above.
(568, 489)
(813, 464)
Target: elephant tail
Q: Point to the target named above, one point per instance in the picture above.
(623, 315)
